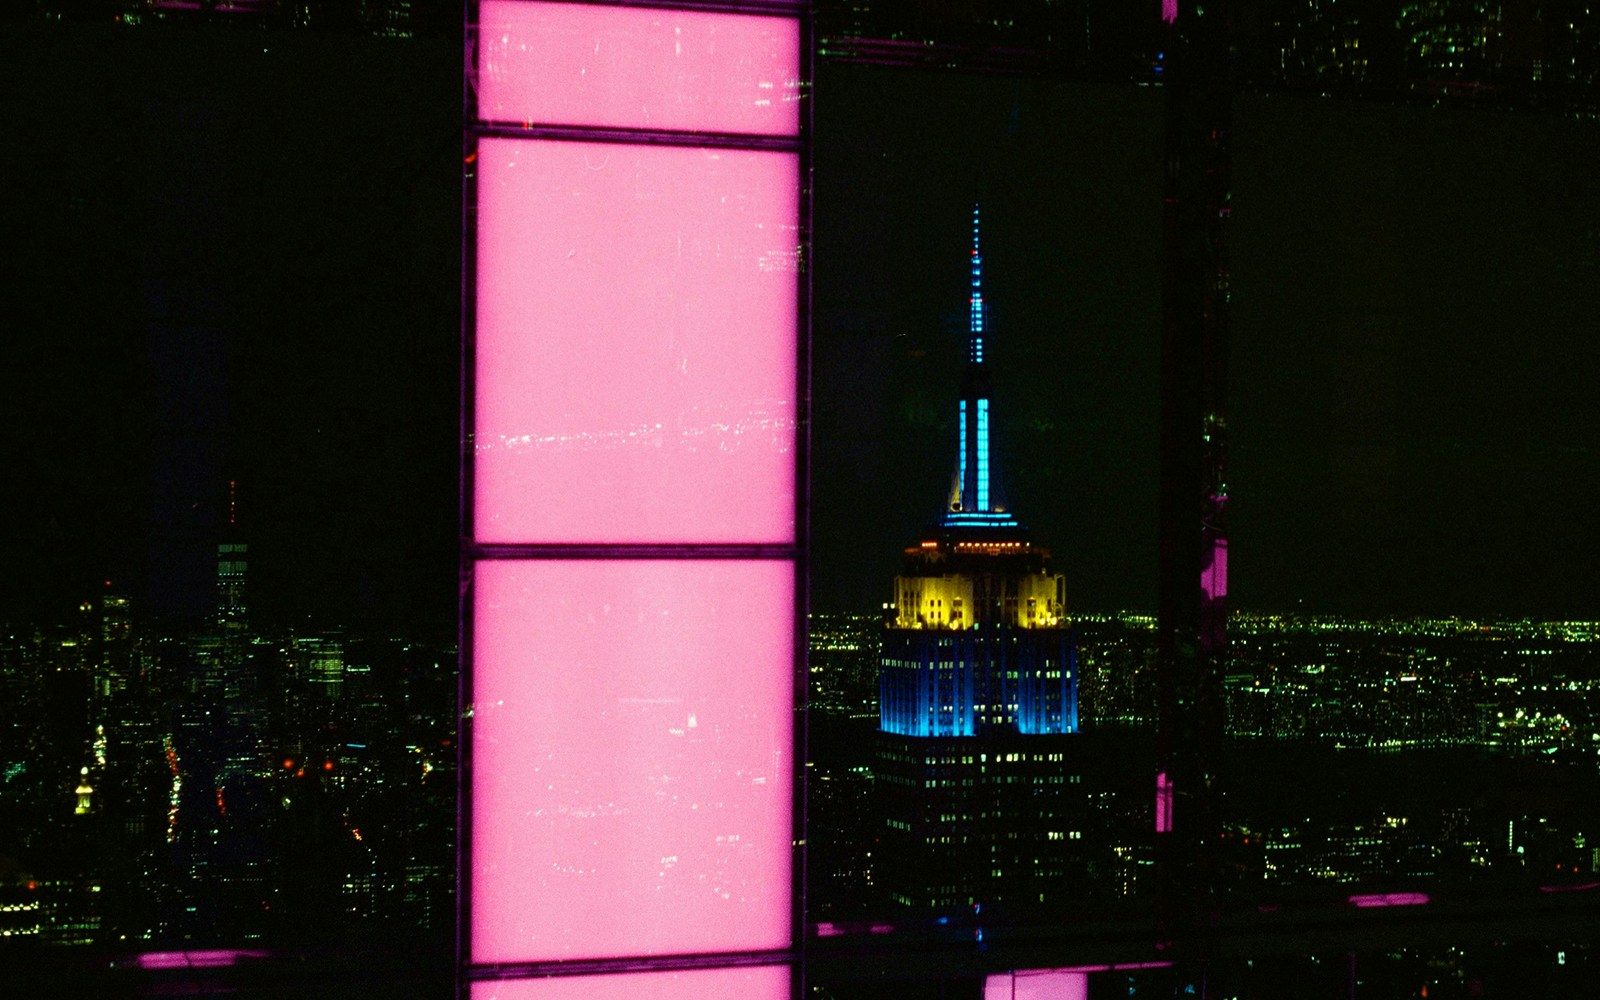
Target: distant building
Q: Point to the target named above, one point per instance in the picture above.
(1451, 40)
(233, 564)
(977, 693)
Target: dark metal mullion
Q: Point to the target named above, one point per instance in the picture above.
(636, 963)
(759, 8)
(638, 136)
(465, 502)
(687, 551)
(800, 819)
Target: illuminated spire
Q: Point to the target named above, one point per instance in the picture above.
(232, 566)
(972, 500)
(975, 343)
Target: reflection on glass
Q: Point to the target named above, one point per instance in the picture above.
(1037, 984)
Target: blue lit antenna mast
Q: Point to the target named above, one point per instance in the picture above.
(976, 355)
(972, 500)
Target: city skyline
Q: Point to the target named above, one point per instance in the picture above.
(1401, 719)
(237, 298)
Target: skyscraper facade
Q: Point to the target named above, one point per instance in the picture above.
(977, 690)
(232, 565)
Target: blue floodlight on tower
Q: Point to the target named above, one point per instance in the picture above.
(961, 448)
(983, 455)
(979, 638)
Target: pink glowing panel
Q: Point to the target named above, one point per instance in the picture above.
(1583, 887)
(1214, 578)
(761, 982)
(1389, 899)
(584, 64)
(203, 958)
(635, 343)
(632, 755)
(1163, 803)
(1169, 10)
(1040, 984)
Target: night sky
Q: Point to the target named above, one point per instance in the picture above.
(245, 264)
(241, 262)
(1413, 424)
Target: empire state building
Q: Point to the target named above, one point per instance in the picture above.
(977, 691)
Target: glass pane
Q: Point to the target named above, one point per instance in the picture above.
(636, 352)
(632, 752)
(584, 64)
(1037, 984)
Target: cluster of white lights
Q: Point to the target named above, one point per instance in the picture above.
(172, 796)
(781, 261)
(781, 428)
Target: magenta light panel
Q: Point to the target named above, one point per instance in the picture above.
(636, 363)
(632, 751)
(602, 66)
(634, 500)
(1037, 984)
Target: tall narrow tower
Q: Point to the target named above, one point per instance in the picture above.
(232, 566)
(977, 690)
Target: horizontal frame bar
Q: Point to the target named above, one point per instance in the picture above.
(638, 136)
(772, 8)
(612, 966)
(643, 550)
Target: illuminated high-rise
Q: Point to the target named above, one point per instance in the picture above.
(977, 690)
(232, 564)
